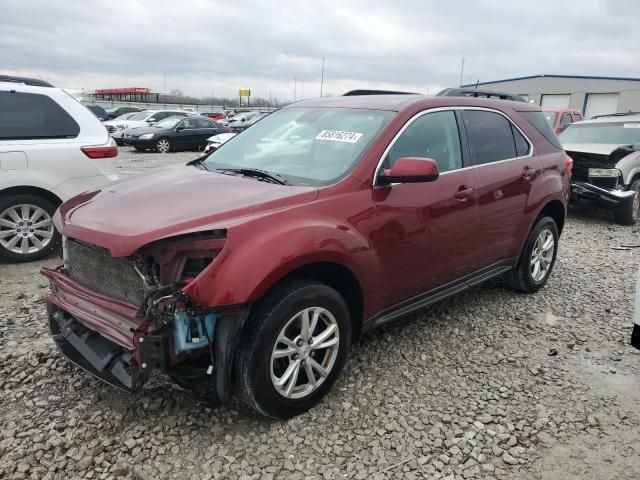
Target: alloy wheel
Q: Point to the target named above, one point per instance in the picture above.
(25, 229)
(542, 255)
(163, 145)
(305, 352)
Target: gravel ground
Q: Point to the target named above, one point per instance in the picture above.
(466, 389)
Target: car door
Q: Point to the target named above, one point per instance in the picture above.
(424, 230)
(509, 179)
(206, 129)
(186, 134)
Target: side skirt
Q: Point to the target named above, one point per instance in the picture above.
(423, 300)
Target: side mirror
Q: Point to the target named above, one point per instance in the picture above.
(410, 170)
(179, 127)
(151, 120)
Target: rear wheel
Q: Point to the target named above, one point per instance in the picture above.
(163, 145)
(537, 259)
(295, 350)
(629, 213)
(26, 228)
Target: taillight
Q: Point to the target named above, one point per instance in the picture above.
(568, 164)
(101, 152)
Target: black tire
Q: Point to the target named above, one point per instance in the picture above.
(139, 149)
(629, 213)
(521, 278)
(160, 145)
(10, 201)
(253, 361)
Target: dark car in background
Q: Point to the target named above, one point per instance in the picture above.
(118, 111)
(174, 133)
(99, 112)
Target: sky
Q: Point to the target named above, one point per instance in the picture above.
(275, 48)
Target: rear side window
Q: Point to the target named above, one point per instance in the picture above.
(25, 116)
(576, 117)
(490, 136)
(522, 146)
(540, 123)
(565, 120)
(205, 123)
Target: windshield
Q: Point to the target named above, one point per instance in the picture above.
(619, 133)
(307, 146)
(140, 116)
(168, 122)
(551, 117)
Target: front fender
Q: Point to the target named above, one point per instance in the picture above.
(257, 255)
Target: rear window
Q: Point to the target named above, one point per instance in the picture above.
(25, 116)
(540, 123)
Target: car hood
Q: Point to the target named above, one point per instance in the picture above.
(137, 131)
(129, 214)
(221, 137)
(599, 148)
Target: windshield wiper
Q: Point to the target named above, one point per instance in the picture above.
(256, 172)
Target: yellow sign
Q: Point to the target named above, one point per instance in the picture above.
(245, 92)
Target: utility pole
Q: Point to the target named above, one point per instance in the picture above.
(295, 88)
(461, 71)
(322, 77)
(164, 82)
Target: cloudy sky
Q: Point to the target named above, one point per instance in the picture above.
(207, 47)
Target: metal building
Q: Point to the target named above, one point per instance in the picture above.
(591, 95)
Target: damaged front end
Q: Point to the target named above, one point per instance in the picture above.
(120, 318)
(595, 177)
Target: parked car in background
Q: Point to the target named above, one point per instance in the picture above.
(255, 269)
(51, 149)
(99, 112)
(214, 142)
(606, 163)
(245, 123)
(215, 116)
(174, 133)
(559, 119)
(125, 116)
(142, 119)
(119, 111)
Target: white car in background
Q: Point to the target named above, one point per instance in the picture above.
(214, 142)
(116, 127)
(51, 149)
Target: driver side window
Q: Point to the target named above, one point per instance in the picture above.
(433, 135)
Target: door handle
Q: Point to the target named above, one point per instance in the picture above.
(463, 193)
(528, 173)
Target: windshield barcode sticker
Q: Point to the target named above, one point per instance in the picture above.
(339, 136)
(632, 125)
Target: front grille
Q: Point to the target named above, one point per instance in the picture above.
(94, 268)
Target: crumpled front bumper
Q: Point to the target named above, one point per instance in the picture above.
(606, 197)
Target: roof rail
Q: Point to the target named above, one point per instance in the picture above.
(474, 92)
(354, 93)
(25, 81)
(621, 114)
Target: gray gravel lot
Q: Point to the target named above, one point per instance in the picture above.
(463, 390)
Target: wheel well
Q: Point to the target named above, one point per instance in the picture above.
(555, 210)
(40, 192)
(343, 281)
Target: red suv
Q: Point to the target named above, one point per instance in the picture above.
(561, 118)
(254, 268)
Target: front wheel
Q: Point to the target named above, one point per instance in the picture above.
(295, 350)
(537, 258)
(629, 213)
(163, 145)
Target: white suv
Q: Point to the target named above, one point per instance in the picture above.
(51, 149)
(145, 118)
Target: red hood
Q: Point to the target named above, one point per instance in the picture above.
(127, 215)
